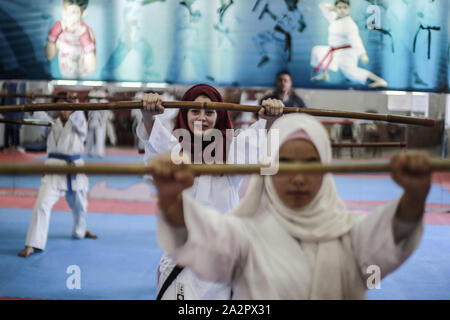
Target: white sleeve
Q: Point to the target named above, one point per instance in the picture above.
(160, 140)
(373, 240)
(211, 245)
(247, 148)
(329, 15)
(79, 124)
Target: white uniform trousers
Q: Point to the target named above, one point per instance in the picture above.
(96, 141)
(48, 195)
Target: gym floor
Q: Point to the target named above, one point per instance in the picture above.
(122, 262)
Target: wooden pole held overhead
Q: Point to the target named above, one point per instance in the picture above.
(216, 106)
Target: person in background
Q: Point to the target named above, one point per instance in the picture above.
(218, 192)
(65, 144)
(284, 92)
(95, 142)
(12, 131)
(110, 130)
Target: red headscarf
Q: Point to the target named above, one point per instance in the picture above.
(223, 121)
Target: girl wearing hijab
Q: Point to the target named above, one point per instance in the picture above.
(291, 236)
(216, 192)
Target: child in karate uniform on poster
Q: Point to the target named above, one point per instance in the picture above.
(344, 49)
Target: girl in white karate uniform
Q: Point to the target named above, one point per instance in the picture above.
(65, 144)
(218, 192)
(291, 236)
(95, 142)
(344, 49)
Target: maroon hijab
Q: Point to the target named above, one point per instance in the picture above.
(223, 121)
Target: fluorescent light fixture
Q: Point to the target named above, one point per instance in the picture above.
(93, 83)
(419, 94)
(395, 93)
(131, 84)
(66, 82)
(156, 85)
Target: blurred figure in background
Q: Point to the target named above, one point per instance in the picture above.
(12, 131)
(110, 130)
(96, 126)
(284, 92)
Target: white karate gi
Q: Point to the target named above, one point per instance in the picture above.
(218, 192)
(262, 261)
(268, 250)
(97, 126)
(110, 131)
(342, 32)
(68, 140)
(96, 133)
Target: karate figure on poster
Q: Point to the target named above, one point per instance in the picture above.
(344, 49)
(133, 53)
(73, 41)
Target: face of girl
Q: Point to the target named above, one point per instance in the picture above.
(71, 15)
(342, 10)
(200, 121)
(296, 191)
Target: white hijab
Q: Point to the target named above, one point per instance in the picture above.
(322, 222)
(326, 216)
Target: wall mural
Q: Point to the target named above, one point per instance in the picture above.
(361, 44)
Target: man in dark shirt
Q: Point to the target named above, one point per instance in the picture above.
(12, 131)
(284, 91)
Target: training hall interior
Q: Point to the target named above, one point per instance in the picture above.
(249, 52)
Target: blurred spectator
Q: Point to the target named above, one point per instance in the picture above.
(12, 131)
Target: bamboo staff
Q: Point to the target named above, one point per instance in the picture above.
(44, 123)
(213, 105)
(198, 169)
(351, 145)
(370, 145)
(53, 96)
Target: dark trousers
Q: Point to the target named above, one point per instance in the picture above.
(12, 135)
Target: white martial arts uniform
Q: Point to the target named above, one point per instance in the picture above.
(342, 32)
(96, 133)
(218, 192)
(262, 261)
(267, 250)
(67, 140)
(97, 119)
(110, 131)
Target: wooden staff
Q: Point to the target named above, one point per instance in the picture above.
(52, 96)
(213, 105)
(198, 169)
(370, 145)
(27, 122)
(351, 145)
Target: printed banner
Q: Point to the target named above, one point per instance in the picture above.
(361, 44)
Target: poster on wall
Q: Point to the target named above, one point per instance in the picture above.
(360, 44)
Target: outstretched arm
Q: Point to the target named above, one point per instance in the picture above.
(411, 170)
(327, 6)
(389, 235)
(196, 236)
(152, 106)
(170, 184)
